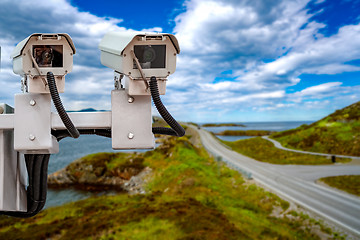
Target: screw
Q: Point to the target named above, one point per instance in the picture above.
(1, 110)
(131, 135)
(32, 102)
(131, 100)
(32, 137)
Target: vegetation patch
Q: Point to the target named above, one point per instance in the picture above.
(338, 133)
(265, 151)
(256, 133)
(347, 183)
(190, 196)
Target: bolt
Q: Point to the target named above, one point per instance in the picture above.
(32, 102)
(130, 135)
(1, 110)
(32, 137)
(131, 100)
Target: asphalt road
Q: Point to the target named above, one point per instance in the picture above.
(297, 186)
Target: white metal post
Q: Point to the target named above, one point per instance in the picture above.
(13, 174)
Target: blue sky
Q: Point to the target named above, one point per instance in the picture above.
(250, 60)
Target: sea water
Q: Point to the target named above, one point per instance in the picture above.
(269, 126)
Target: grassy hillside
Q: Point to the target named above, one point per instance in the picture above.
(347, 183)
(265, 151)
(338, 133)
(190, 196)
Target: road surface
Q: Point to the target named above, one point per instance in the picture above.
(297, 186)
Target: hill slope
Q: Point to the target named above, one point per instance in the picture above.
(190, 196)
(338, 133)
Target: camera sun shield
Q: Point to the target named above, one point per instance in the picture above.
(41, 53)
(154, 53)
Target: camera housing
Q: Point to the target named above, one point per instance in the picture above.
(41, 53)
(155, 52)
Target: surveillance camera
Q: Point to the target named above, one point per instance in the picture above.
(41, 53)
(139, 57)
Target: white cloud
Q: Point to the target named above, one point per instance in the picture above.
(19, 19)
(266, 45)
(319, 89)
(235, 55)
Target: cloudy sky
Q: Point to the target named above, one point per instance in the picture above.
(241, 60)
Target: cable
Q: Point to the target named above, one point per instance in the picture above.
(164, 131)
(61, 134)
(37, 167)
(59, 106)
(176, 129)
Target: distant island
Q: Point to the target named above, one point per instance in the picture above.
(223, 125)
(245, 133)
(88, 110)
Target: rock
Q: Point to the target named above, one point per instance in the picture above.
(130, 179)
(59, 178)
(88, 177)
(188, 182)
(136, 183)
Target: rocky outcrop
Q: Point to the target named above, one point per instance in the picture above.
(95, 174)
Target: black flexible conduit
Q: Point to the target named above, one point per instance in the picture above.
(61, 134)
(176, 129)
(37, 167)
(59, 106)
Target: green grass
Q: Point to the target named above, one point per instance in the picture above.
(347, 183)
(244, 133)
(338, 133)
(190, 196)
(265, 151)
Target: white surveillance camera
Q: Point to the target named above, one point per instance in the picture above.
(39, 54)
(139, 57)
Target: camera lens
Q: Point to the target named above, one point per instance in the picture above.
(47, 56)
(149, 54)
